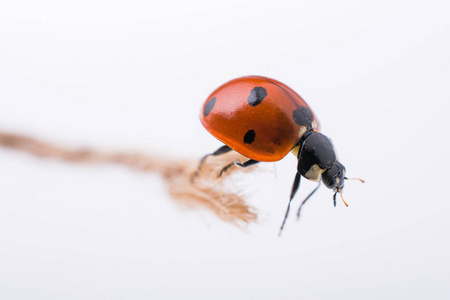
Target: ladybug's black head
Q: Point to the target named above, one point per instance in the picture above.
(333, 177)
(317, 160)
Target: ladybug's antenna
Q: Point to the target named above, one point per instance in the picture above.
(345, 178)
(340, 193)
(334, 197)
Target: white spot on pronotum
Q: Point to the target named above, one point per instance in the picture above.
(302, 131)
(314, 173)
(295, 150)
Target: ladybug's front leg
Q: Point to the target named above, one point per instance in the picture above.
(294, 190)
(246, 164)
(309, 196)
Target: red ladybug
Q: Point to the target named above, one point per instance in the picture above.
(263, 119)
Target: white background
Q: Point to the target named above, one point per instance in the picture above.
(132, 75)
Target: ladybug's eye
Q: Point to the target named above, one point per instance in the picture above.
(329, 178)
(334, 176)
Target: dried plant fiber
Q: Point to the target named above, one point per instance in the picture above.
(205, 190)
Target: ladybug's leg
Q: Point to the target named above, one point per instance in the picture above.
(309, 196)
(294, 190)
(246, 164)
(222, 150)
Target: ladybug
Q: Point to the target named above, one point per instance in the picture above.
(264, 119)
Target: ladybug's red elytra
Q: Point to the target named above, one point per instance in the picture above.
(263, 119)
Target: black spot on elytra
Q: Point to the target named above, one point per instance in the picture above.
(249, 136)
(257, 95)
(209, 106)
(303, 116)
